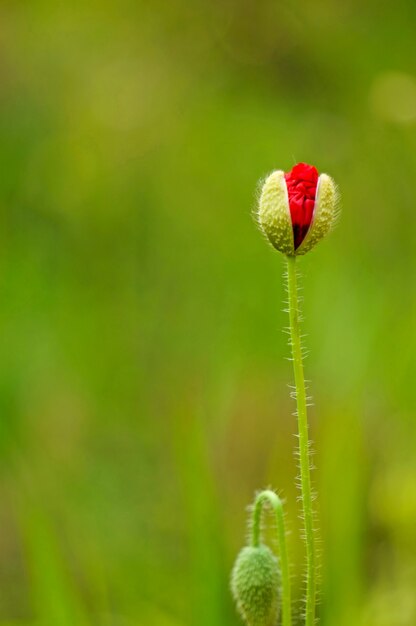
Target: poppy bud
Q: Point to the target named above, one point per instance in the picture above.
(255, 585)
(296, 210)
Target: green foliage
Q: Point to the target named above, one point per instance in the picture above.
(55, 600)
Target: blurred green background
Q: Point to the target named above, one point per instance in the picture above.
(143, 379)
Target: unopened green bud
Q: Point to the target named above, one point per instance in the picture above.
(255, 583)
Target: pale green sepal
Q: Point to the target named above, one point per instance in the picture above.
(274, 213)
(325, 213)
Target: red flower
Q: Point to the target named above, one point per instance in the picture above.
(301, 184)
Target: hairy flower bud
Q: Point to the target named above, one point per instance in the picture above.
(297, 209)
(255, 585)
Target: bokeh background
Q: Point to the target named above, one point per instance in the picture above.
(143, 378)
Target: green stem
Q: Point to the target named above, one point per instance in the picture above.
(276, 504)
(305, 479)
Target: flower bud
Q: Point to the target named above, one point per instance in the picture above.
(296, 210)
(255, 585)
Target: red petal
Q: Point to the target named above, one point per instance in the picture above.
(301, 184)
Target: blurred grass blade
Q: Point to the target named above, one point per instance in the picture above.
(54, 597)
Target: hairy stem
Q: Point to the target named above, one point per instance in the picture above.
(276, 504)
(304, 455)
